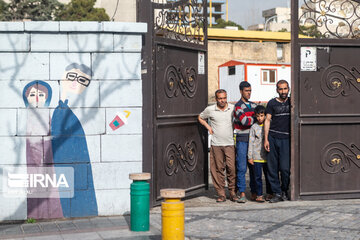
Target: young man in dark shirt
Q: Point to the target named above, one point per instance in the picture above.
(277, 143)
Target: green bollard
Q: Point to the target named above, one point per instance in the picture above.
(140, 201)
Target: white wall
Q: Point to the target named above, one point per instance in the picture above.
(264, 92)
(231, 82)
(260, 92)
(40, 51)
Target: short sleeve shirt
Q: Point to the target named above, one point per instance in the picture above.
(280, 118)
(221, 124)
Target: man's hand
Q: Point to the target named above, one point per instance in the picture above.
(210, 130)
(251, 161)
(267, 145)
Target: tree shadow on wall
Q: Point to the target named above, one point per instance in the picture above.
(87, 113)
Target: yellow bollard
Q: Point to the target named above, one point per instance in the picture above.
(172, 214)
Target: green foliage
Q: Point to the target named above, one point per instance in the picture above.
(35, 10)
(31, 220)
(283, 30)
(310, 31)
(82, 10)
(221, 23)
(3, 10)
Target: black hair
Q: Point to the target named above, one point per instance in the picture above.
(219, 91)
(282, 81)
(259, 109)
(244, 84)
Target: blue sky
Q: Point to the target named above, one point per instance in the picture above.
(249, 12)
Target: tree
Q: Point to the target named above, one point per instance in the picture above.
(35, 10)
(82, 10)
(221, 23)
(283, 30)
(310, 31)
(3, 10)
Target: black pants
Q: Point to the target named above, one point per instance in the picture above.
(279, 161)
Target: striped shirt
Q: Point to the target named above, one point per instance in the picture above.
(244, 118)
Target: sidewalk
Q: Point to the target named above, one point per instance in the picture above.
(206, 219)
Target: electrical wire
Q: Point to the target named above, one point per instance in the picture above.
(117, 4)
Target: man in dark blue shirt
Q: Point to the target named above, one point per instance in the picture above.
(277, 143)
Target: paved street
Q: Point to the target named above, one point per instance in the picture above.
(206, 219)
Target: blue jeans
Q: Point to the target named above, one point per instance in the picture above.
(279, 160)
(241, 163)
(259, 168)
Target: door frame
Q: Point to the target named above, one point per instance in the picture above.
(145, 13)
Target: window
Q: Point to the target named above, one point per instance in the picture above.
(231, 70)
(280, 51)
(268, 76)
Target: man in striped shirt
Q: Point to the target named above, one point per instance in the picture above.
(277, 143)
(244, 118)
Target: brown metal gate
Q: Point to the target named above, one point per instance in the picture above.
(175, 91)
(325, 99)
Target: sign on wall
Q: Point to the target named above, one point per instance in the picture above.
(308, 59)
(201, 63)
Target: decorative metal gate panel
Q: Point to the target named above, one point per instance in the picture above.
(325, 114)
(175, 92)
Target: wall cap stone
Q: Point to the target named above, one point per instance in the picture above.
(73, 26)
(12, 26)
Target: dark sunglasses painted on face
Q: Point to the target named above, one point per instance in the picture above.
(80, 79)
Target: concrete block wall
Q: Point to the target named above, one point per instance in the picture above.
(33, 51)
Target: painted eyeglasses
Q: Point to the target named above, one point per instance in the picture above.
(80, 79)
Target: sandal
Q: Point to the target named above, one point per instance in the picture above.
(268, 197)
(221, 199)
(253, 197)
(233, 198)
(260, 199)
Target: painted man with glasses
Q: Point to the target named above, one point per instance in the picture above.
(69, 144)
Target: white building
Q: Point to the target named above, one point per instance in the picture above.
(277, 19)
(262, 77)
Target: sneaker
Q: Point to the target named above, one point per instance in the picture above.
(285, 196)
(276, 198)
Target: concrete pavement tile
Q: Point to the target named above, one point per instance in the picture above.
(123, 234)
(85, 236)
(49, 227)
(47, 237)
(13, 238)
(152, 237)
(118, 221)
(101, 222)
(10, 229)
(83, 224)
(113, 234)
(31, 228)
(66, 226)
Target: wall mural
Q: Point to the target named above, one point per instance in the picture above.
(37, 94)
(119, 120)
(71, 116)
(69, 142)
